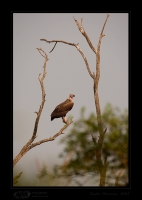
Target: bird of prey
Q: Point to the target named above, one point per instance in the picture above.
(63, 108)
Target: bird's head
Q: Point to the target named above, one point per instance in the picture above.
(71, 96)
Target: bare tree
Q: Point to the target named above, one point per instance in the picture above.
(102, 163)
(29, 145)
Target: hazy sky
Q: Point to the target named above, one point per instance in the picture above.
(66, 73)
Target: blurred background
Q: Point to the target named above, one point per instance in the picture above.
(67, 73)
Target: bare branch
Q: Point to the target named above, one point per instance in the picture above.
(42, 89)
(81, 29)
(85, 60)
(78, 48)
(98, 54)
(51, 41)
(104, 24)
(45, 55)
(53, 48)
(23, 150)
(51, 138)
(102, 35)
(29, 146)
(97, 69)
(81, 21)
(103, 166)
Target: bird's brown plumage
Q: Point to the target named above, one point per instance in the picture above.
(63, 108)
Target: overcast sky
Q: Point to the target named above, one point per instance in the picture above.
(66, 73)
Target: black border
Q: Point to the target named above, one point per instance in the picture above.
(66, 191)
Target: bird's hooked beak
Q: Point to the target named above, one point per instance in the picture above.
(72, 95)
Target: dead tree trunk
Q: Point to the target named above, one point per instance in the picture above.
(102, 165)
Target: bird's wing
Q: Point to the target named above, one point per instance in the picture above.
(64, 106)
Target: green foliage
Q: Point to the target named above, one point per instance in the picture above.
(45, 177)
(15, 179)
(115, 145)
(43, 172)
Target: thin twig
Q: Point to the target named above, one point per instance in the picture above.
(102, 35)
(53, 48)
(104, 24)
(45, 55)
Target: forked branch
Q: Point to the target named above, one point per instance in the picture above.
(23, 150)
(51, 138)
(81, 29)
(96, 96)
(29, 145)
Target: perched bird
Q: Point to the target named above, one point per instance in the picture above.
(62, 109)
